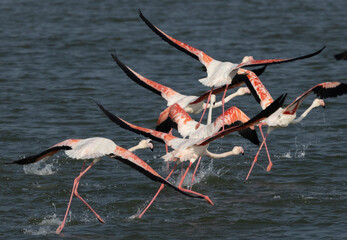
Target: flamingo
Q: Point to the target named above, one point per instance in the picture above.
(218, 73)
(283, 117)
(233, 117)
(191, 104)
(95, 148)
(186, 126)
(192, 148)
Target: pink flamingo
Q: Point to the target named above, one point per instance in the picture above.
(191, 104)
(284, 117)
(95, 148)
(218, 73)
(192, 148)
(186, 126)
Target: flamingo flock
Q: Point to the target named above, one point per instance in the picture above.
(195, 137)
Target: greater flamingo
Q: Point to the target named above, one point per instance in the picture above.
(191, 104)
(95, 148)
(218, 73)
(192, 148)
(284, 117)
(186, 126)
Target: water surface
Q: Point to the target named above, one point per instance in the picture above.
(55, 59)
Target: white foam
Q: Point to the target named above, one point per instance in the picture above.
(45, 226)
(202, 173)
(287, 155)
(43, 230)
(51, 221)
(40, 168)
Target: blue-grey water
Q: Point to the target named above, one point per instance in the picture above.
(55, 59)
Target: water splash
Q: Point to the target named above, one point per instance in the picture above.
(287, 155)
(45, 226)
(40, 168)
(300, 151)
(44, 230)
(138, 212)
(203, 172)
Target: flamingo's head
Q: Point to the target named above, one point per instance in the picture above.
(213, 99)
(243, 91)
(239, 150)
(146, 143)
(247, 58)
(319, 102)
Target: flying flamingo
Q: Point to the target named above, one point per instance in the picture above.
(218, 73)
(233, 117)
(192, 148)
(191, 104)
(186, 126)
(95, 148)
(284, 117)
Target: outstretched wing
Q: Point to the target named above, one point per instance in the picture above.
(164, 123)
(152, 134)
(181, 120)
(235, 117)
(191, 51)
(253, 62)
(261, 116)
(154, 87)
(135, 162)
(35, 158)
(322, 90)
(257, 88)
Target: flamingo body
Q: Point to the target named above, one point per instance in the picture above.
(233, 116)
(218, 73)
(284, 117)
(190, 103)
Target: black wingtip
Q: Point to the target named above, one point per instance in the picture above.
(166, 125)
(259, 71)
(319, 51)
(250, 134)
(273, 107)
(114, 55)
(35, 158)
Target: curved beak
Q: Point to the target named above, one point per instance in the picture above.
(151, 145)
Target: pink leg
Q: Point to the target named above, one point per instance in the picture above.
(203, 113)
(77, 195)
(225, 91)
(256, 156)
(193, 177)
(60, 228)
(74, 189)
(159, 190)
(190, 191)
(267, 151)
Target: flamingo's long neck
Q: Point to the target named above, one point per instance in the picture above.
(137, 147)
(227, 99)
(304, 114)
(222, 155)
(211, 106)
